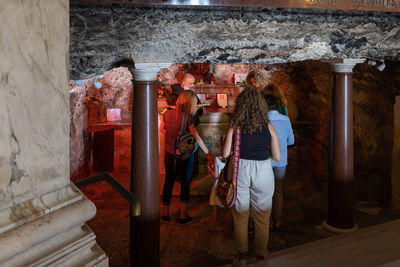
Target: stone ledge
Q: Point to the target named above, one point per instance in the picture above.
(36, 231)
(75, 247)
(37, 207)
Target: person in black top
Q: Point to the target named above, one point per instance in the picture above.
(186, 83)
(255, 180)
(259, 79)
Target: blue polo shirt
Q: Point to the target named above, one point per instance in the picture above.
(284, 130)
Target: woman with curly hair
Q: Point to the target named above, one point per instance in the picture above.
(255, 179)
(259, 79)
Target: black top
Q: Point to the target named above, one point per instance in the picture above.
(177, 89)
(255, 146)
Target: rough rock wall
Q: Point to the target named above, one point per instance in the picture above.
(374, 95)
(374, 98)
(395, 179)
(116, 92)
(89, 105)
(307, 86)
(103, 34)
(79, 123)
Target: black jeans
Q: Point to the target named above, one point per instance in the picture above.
(175, 168)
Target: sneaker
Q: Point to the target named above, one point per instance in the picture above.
(185, 221)
(165, 219)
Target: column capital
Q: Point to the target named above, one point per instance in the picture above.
(148, 71)
(344, 65)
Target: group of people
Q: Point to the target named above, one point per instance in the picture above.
(260, 113)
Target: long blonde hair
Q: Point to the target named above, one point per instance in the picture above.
(186, 103)
(260, 77)
(277, 92)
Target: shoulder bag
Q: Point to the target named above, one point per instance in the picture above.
(227, 181)
(185, 143)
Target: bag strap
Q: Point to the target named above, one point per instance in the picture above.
(184, 122)
(236, 157)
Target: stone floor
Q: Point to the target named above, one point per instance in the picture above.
(192, 245)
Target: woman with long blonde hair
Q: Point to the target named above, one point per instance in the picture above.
(278, 93)
(255, 179)
(259, 79)
(186, 107)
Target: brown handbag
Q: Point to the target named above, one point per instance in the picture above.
(227, 181)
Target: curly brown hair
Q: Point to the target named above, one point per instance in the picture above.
(251, 111)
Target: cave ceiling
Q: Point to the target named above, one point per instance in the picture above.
(105, 34)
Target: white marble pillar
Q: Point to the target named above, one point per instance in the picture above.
(396, 159)
(42, 216)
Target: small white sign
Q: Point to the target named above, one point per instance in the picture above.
(240, 77)
(113, 114)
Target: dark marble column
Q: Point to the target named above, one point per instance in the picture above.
(341, 158)
(396, 159)
(145, 178)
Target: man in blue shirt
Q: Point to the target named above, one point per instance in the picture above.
(285, 135)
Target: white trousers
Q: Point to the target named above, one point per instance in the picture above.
(255, 187)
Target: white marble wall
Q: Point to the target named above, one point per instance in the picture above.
(42, 216)
(34, 99)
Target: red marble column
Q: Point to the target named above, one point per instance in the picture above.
(341, 158)
(145, 178)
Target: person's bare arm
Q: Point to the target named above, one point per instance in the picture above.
(275, 149)
(199, 140)
(216, 168)
(162, 124)
(228, 143)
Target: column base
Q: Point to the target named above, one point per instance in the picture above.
(327, 230)
(50, 230)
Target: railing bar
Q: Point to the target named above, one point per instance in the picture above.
(131, 198)
(91, 179)
(117, 186)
